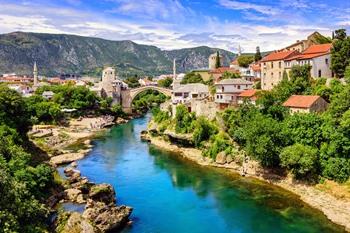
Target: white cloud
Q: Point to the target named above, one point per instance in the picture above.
(238, 5)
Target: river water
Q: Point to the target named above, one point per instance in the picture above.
(169, 194)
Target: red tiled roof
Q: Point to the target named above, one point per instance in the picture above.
(301, 101)
(312, 52)
(248, 93)
(279, 55)
(318, 48)
(255, 67)
(234, 61)
(222, 70)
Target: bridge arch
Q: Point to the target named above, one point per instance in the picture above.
(129, 95)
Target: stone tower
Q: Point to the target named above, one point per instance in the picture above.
(108, 78)
(35, 74)
(174, 69)
(212, 61)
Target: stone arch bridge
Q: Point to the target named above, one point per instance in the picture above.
(128, 95)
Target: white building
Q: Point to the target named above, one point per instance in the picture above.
(317, 56)
(227, 91)
(185, 93)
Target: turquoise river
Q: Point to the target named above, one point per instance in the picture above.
(169, 194)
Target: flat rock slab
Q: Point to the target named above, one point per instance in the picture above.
(66, 158)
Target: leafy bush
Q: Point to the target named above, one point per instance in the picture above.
(183, 120)
(192, 77)
(300, 160)
(203, 130)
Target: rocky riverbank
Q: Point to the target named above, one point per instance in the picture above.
(67, 144)
(101, 213)
(336, 209)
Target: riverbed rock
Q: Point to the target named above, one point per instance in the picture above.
(229, 158)
(221, 158)
(74, 164)
(106, 218)
(76, 223)
(102, 193)
(66, 158)
(72, 194)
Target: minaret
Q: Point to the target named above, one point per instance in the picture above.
(174, 69)
(35, 73)
(239, 50)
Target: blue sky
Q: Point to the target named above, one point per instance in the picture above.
(172, 24)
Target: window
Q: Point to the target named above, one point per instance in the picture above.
(272, 64)
(326, 61)
(319, 73)
(264, 75)
(238, 87)
(178, 94)
(220, 96)
(222, 88)
(279, 64)
(271, 75)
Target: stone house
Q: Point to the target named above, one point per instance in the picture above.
(185, 93)
(227, 91)
(273, 66)
(305, 104)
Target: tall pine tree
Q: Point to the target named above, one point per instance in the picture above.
(217, 62)
(257, 56)
(340, 53)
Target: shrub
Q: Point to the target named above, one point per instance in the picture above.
(300, 160)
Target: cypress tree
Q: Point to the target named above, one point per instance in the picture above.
(217, 62)
(257, 56)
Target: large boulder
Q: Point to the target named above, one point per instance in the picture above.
(106, 218)
(229, 158)
(102, 193)
(72, 194)
(77, 224)
(221, 158)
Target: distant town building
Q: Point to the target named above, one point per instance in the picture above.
(147, 82)
(185, 93)
(217, 73)
(48, 95)
(302, 45)
(305, 104)
(249, 96)
(228, 90)
(212, 61)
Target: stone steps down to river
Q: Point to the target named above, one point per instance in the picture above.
(101, 213)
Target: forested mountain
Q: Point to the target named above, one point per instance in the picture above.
(57, 54)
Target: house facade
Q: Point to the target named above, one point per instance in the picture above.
(185, 93)
(305, 104)
(273, 66)
(317, 56)
(227, 91)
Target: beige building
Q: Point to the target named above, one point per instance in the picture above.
(212, 61)
(305, 104)
(272, 67)
(302, 45)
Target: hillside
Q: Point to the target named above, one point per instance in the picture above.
(56, 54)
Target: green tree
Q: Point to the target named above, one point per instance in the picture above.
(183, 119)
(340, 53)
(13, 110)
(230, 75)
(192, 77)
(165, 82)
(217, 60)
(245, 60)
(203, 130)
(257, 56)
(347, 74)
(301, 160)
